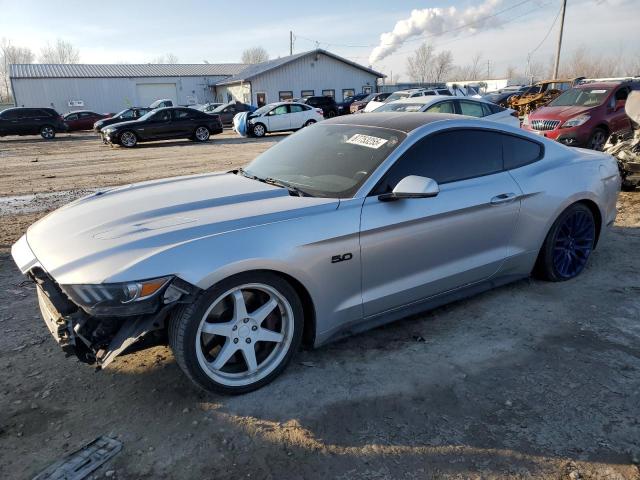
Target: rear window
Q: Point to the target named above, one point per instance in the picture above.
(518, 151)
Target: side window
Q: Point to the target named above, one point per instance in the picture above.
(280, 110)
(519, 151)
(622, 94)
(162, 116)
(86, 114)
(428, 92)
(131, 114)
(494, 108)
(73, 116)
(10, 115)
(441, 107)
(182, 114)
(471, 109)
(448, 157)
(296, 108)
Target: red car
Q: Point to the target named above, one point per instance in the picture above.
(83, 119)
(585, 115)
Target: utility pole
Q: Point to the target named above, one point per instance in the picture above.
(290, 42)
(557, 64)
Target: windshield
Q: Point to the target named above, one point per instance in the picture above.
(221, 108)
(399, 107)
(327, 160)
(582, 97)
(397, 96)
(262, 110)
(119, 114)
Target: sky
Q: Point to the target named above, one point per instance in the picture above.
(136, 31)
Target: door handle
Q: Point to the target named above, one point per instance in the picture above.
(503, 198)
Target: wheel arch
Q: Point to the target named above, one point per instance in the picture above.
(597, 215)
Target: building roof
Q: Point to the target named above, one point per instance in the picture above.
(43, 70)
(403, 121)
(259, 68)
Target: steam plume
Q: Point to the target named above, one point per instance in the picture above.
(434, 21)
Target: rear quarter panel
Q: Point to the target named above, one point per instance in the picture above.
(565, 176)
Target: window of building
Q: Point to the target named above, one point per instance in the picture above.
(307, 93)
(348, 92)
(329, 93)
(286, 96)
(367, 89)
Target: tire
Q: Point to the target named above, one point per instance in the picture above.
(331, 114)
(259, 130)
(47, 132)
(309, 123)
(128, 139)
(597, 139)
(568, 245)
(218, 360)
(201, 134)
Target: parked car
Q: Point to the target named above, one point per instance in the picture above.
(585, 115)
(163, 124)
(31, 121)
(472, 107)
(209, 107)
(325, 103)
(539, 94)
(281, 117)
(227, 111)
(344, 107)
(352, 223)
(359, 105)
(165, 102)
(83, 119)
(502, 97)
(132, 113)
(409, 93)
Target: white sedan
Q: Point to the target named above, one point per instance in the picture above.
(281, 117)
(472, 107)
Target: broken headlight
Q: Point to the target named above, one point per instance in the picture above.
(118, 299)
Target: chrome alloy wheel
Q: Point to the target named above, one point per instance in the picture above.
(202, 134)
(47, 132)
(244, 334)
(128, 139)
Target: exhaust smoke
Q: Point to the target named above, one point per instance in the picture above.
(435, 21)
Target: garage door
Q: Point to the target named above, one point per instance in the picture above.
(150, 92)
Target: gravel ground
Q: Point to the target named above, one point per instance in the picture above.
(530, 380)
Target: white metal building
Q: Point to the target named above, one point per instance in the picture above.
(111, 88)
(317, 72)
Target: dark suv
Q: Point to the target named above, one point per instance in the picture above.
(327, 104)
(31, 121)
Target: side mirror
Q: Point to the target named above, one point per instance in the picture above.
(619, 105)
(412, 186)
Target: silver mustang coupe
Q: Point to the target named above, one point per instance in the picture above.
(345, 225)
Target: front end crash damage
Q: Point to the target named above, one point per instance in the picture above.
(626, 148)
(100, 339)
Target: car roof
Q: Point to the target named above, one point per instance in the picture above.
(403, 121)
(600, 85)
(425, 100)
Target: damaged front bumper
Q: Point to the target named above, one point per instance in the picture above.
(95, 339)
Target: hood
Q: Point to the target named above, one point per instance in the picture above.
(559, 113)
(128, 123)
(96, 238)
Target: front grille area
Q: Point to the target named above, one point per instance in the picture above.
(544, 124)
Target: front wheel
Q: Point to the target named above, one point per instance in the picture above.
(597, 140)
(240, 334)
(259, 130)
(128, 139)
(568, 245)
(201, 134)
(47, 132)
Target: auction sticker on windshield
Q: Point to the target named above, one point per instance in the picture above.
(367, 140)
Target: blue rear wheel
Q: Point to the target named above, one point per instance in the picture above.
(569, 244)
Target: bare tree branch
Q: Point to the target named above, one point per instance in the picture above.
(10, 54)
(254, 55)
(419, 65)
(61, 52)
(167, 58)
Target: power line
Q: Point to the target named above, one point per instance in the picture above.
(548, 32)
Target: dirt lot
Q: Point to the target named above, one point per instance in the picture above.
(530, 380)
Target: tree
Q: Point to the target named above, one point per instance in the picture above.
(10, 54)
(419, 66)
(255, 55)
(167, 58)
(61, 52)
(442, 66)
